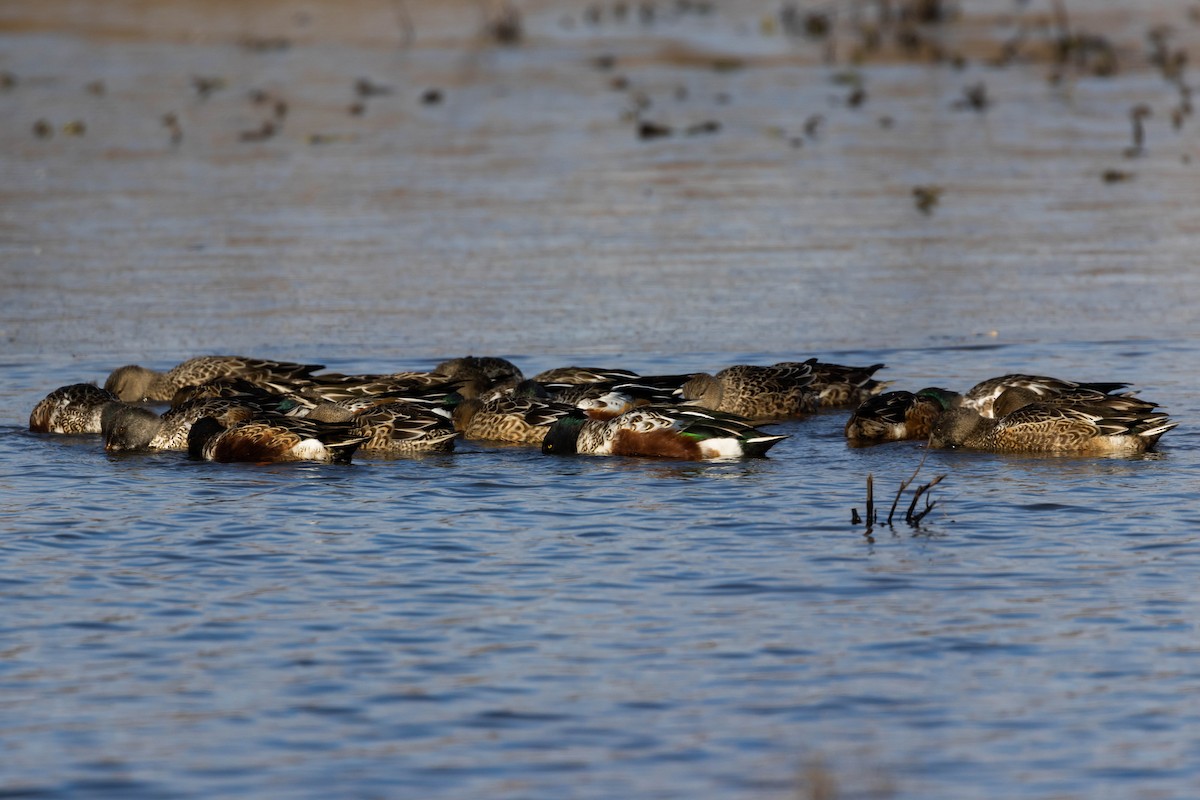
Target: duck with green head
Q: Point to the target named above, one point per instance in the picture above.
(898, 416)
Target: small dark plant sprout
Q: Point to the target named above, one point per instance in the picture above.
(926, 198)
(1136, 115)
(913, 516)
(975, 98)
(505, 26)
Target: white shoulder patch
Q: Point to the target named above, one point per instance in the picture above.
(311, 450)
(725, 447)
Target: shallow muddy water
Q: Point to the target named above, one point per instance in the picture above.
(495, 622)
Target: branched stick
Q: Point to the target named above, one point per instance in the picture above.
(914, 519)
(904, 485)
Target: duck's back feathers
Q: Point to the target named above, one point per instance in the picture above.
(897, 416)
(659, 432)
(70, 409)
(1048, 427)
(982, 396)
(263, 440)
(402, 428)
(757, 393)
(838, 385)
(133, 383)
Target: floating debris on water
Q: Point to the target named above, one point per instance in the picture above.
(259, 134)
(926, 198)
(707, 127)
(652, 130)
(975, 98)
(505, 28)
(365, 87)
(205, 85)
(170, 121)
(1137, 114)
(265, 44)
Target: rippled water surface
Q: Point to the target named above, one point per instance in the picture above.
(493, 622)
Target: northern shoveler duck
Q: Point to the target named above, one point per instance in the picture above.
(131, 428)
(70, 409)
(609, 404)
(982, 395)
(422, 388)
(756, 393)
(517, 420)
(1047, 427)
(527, 388)
(269, 440)
(648, 390)
(839, 386)
(392, 428)
(1018, 396)
(481, 372)
(668, 432)
(898, 416)
(273, 395)
(583, 375)
(135, 384)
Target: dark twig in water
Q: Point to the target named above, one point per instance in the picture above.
(870, 500)
(974, 98)
(904, 485)
(912, 517)
(205, 85)
(855, 519)
(914, 521)
(926, 198)
(1136, 114)
(505, 28)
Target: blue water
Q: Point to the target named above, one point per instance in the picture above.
(494, 622)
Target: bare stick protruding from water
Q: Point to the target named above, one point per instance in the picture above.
(913, 517)
(870, 501)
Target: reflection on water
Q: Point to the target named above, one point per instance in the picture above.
(492, 622)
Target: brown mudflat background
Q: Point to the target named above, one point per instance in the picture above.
(591, 178)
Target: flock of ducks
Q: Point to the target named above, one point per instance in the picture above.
(232, 408)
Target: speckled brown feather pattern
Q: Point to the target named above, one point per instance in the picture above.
(839, 386)
(401, 428)
(70, 409)
(757, 393)
(517, 420)
(133, 383)
(275, 439)
(982, 395)
(1043, 427)
(177, 422)
(892, 417)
